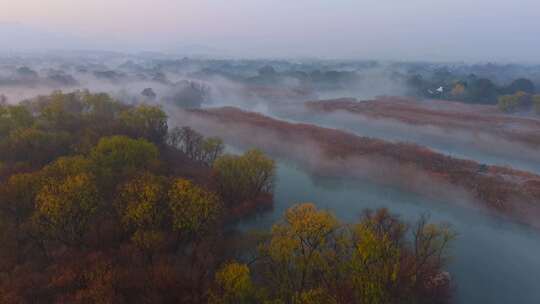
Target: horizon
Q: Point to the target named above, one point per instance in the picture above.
(457, 31)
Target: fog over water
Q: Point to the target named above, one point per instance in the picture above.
(494, 261)
(272, 57)
(483, 148)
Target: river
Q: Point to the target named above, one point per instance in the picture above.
(493, 261)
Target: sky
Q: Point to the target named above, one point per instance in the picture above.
(436, 30)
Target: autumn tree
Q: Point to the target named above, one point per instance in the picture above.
(14, 117)
(241, 178)
(311, 255)
(515, 102)
(376, 257)
(195, 214)
(17, 196)
(296, 249)
(35, 146)
(61, 111)
(145, 121)
(142, 209)
(65, 209)
(119, 156)
(193, 209)
(233, 285)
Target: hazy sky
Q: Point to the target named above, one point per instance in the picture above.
(470, 30)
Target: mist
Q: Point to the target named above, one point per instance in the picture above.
(491, 253)
(415, 106)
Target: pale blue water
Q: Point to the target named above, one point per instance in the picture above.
(494, 261)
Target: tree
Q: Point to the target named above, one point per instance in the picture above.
(119, 156)
(521, 85)
(233, 285)
(35, 145)
(149, 122)
(515, 102)
(310, 256)
(142, 202)
(482, 90)
(376, 259)
(193, 209)
(188, 141)
(536, 103)
(188, 94)
(17, 196)
(14, 117)
(296, 250)
(65, 209)
(195, 146)
(241, 178)
(149, 93)
(211, 149)
(142, 208)
(62, 111)
(458, 90)
(100, 108)
(65, 166)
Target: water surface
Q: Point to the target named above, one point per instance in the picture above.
(494, 261)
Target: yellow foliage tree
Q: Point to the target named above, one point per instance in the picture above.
(241, 178)
(297, 248)
(64, 209)
(233, 285)
(146, 121)
(193, 208)
(141, 205)
(118, 156)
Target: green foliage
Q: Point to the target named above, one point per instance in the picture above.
(375, 263)
(14, 117)
(521, 85)
(145, 121)
(515, 102)
(68, 165)
(35, 146)
(100, 107)
(118, 156)
(482, 91)
(62, 111)
(242, 178)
